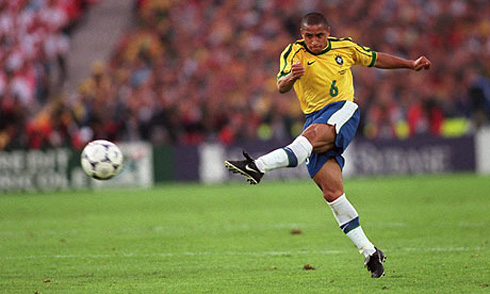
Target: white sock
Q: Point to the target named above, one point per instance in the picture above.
(289, 156)
(348, 219)
(358, 237)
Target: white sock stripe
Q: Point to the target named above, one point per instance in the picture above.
(341, 116)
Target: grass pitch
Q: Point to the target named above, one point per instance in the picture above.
(272, 238)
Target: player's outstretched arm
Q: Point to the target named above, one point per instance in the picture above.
(388, 61)
(285, 84)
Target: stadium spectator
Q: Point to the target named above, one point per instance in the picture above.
(192, 71)
(34, 44)
(216, 84)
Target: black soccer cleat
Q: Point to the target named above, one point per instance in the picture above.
(247, 168)
(374, 263)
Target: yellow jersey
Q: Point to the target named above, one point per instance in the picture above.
(327, 77)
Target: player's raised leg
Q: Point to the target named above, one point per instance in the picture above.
(316, 138)
(289, 156)
(329, 179)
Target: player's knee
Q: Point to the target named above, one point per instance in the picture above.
(332, 194)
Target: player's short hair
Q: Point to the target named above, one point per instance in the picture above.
(314, 18)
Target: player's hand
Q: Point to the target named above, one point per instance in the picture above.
(285, 84)
(297, 70)
(421, 63)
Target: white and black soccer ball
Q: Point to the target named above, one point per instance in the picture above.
(101, 159)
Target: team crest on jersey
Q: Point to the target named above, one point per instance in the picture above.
(339, 60)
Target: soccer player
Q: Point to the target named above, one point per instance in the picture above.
(318, 68)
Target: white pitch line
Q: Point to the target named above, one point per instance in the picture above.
(239, 228)
(454, 249)
(235, 253)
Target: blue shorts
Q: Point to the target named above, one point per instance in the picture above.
(344, 115)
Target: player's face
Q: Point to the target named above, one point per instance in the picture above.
(315, 37)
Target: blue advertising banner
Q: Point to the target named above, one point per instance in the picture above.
(424, 155)
(59, 169)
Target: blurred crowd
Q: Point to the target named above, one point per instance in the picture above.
(34, 41)
(200, 71)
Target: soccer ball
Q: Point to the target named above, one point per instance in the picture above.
(101, 159)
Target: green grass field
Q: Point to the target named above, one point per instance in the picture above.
(236, 238)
